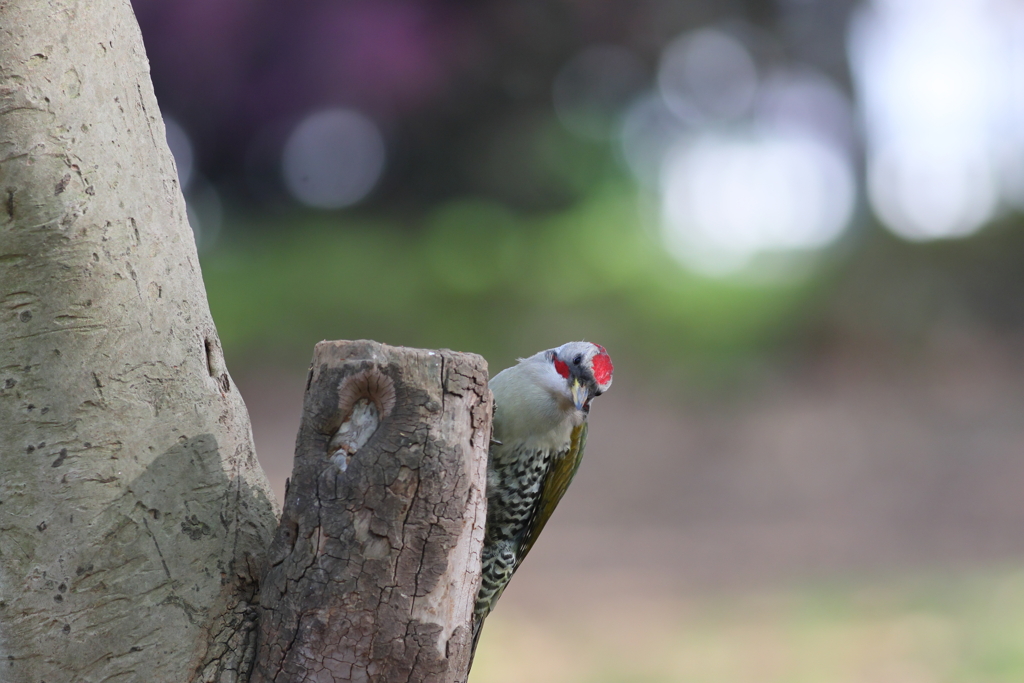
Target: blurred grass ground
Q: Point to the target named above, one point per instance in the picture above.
(853, 519)
(951, 629)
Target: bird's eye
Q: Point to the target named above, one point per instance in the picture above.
(577, 360)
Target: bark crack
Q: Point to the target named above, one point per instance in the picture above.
(372, 573)
(156, 545)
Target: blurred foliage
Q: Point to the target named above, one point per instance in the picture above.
(477, 277)
(473, 275)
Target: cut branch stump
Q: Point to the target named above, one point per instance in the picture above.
(376, 562)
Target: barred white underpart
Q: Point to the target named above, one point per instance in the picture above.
(513, 494)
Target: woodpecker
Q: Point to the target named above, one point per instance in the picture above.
(539, 432)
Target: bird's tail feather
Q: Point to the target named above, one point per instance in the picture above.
(478, 627)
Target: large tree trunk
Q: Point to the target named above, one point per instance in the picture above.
(375, 567)
(134, 518)
(133, 515)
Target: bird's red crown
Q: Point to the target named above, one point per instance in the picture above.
(602, 365)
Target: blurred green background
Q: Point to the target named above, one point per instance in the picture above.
(796, 226)
(477, 276)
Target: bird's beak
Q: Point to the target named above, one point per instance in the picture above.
(580, 394)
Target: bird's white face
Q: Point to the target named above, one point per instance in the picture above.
(578, 371)
(550, 392)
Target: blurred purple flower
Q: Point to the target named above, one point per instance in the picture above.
(228, 69)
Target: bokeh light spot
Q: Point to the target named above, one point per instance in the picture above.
(937, 81)
(649, 128)
(931, 194)
(181, 149)
(803, 101)
(726, 200)
(708, 74)
(333, 158)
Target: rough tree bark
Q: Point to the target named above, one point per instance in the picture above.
(370, 576)
(133, 514)
(134, 518)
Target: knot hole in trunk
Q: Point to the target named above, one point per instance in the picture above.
(365, 399)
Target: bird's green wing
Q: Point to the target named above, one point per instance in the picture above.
(560, 473)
